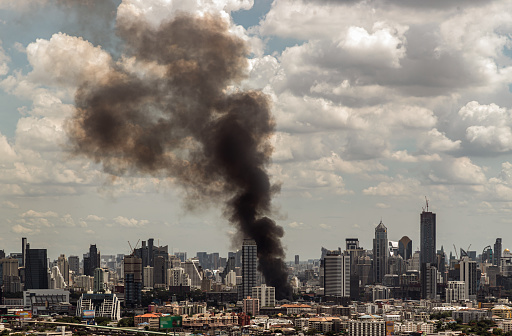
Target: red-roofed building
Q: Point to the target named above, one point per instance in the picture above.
(152, 319)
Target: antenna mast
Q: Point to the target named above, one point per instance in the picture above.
(426, 201)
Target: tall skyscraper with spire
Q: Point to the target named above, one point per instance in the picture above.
(380, 253)
(428, 237)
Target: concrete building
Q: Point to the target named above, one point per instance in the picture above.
(57, 280)
(455, 291)
(251, 306)
(63, 265)
(249, 267)
(100, 280)
(40, 300)
(265, 294)
(336, 274)
(380, 253)
(103, 305)
(177, 277)
(148, 277)
(428, 281)
(367, 325)
(74, 264)
(468, 274)
(194, 271)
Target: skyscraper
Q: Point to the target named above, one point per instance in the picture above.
(405, 247)
(428, 237)
(380, 253)
(36, 268)
(468, 274)
(63, 265)
(132, 280)
(497, 252)
(336, 274)
(249, 267)
(74, 264)
(91, 261)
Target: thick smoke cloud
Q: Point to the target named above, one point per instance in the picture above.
(181, 119)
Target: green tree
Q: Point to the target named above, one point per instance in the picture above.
(126, 322)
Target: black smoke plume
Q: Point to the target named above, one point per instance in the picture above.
(182, 118)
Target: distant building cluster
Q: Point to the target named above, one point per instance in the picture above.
(388, 288)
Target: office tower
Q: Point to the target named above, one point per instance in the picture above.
(497, 252)
(63, 265)
(336, 274)
(351, 244)
(265, 294)
(74, 264)
(91, 261)
(160, 271)
(468, 274)
(428, 281)
(150, 252)
(249, 267)
(297, 259)
(132, 280)
(2, 254)
(405, 247)
(36, 268)
(23, 251)
(428, 237)
(100, 280)
(380, 253)
(148, 277)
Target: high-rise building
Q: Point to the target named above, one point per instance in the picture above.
(405, 247)
(74, 264)
(148, 277)
(336, 274)
(100, 280)
(380, 253)
(194, 272)
(63, 266)
(36, 268)
(428, 281)
(92, 260)
(297, 259)
(160, 271)
(23, 251)
(355, 252)
(132, 280)
(428, 237)
(249, 267)
(468, 274)
(497, 252)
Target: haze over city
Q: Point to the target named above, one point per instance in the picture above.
(376, 105)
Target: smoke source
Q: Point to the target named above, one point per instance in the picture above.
(176, 118)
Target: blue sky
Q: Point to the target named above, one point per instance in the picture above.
(377, 105)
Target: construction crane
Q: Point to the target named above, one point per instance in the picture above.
(455, 251)
(132, 249)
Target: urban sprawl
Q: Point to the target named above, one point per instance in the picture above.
(386, 290)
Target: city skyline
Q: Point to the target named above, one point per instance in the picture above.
(372, 114)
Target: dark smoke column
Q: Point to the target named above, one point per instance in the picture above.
(176, 118)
